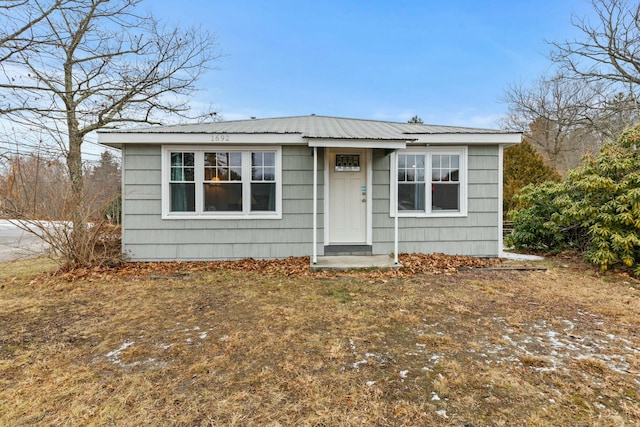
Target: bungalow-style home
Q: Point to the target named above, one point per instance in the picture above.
(309, 186)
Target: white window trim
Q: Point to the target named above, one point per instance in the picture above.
(199, 151)
(464, 182)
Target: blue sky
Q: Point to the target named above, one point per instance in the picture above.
(448, 62)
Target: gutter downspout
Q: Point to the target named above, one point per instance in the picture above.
(395, 208)
(500, 196)
(314, 259)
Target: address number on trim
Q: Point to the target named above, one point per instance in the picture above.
(220, 138)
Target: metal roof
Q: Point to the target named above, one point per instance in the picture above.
(313, 126)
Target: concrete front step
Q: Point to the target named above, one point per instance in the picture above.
(351, 262)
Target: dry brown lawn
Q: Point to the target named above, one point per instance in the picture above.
(205, 345)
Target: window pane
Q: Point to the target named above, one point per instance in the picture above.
(269, 158)
(269, 174)
(256, 159)
(182, 196)
(263, 197)
(445, 197)
(222, 174)
(435, 161)
(455, 175)
(235, 159)
(444, 162)
(411, 197)
(189, 159)
(256, 173)
(411, 175)
(210, 159)
(176, 159)
(236, 174)
(189, 174)
(224, 197)
(221, 159)
(455, 162)
(176, 174)
(402, 161)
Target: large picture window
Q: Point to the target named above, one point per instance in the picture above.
(430, 182)
(225, 183)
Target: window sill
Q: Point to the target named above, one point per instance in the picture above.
(430, 215)
(218, 216)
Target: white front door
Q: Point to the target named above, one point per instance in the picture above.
(347, 196)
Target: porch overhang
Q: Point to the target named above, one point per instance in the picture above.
(359, 143)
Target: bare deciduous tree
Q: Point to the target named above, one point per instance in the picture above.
(609, 50)
(96, 63)
(559, 116)
(21, 16)
(607, 55)
(594, 95)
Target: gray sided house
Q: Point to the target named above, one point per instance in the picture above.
(309, 186)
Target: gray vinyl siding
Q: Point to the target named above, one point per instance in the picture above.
(475, 235)
(148, 237)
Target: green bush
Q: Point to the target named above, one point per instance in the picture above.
(540, 224)
(595, 210)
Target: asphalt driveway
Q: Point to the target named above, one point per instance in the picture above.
(16, 243)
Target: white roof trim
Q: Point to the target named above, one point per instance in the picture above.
(117, 139)
(357, 143)
(469, 138)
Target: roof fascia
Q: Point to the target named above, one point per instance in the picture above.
(357, 143)
(469, 138)
(118, 139)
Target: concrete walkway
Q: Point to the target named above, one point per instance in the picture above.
(354, 262)
(520, 257)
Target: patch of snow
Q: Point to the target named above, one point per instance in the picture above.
(370, 383)
(434, 396)
(115, 354)
(403, 374)
(356, 365)
(223, 338)
(442, 413)
(202, 335)
(520, 257)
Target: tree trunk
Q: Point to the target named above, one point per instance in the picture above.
(78, 234)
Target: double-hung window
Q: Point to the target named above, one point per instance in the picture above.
(429, 182)
(222, 182)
